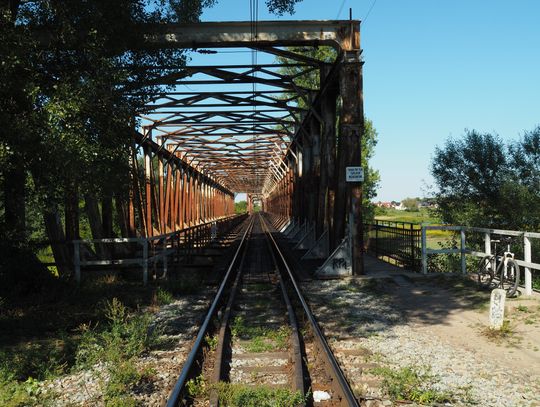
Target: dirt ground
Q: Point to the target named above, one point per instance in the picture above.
(455, 311)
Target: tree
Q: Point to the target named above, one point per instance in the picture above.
(481, 182)
(410, 204)
(240, 207)
(67, 109)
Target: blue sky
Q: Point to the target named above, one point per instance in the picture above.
(433, 68)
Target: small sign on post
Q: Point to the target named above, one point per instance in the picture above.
(496, 309)
(354, 174)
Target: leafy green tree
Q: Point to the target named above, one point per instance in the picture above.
(240, 207)
(411, 204)
(481, 182)
(67, 108)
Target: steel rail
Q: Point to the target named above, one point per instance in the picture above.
(217, 375)
(293, 321)
(177, 391)
(343, 385)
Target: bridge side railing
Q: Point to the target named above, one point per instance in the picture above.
(398, 241)
(152, 250)
(525, 262)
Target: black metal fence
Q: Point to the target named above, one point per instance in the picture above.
(396, 242)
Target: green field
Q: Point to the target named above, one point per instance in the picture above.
(434, 237)
(421, 216)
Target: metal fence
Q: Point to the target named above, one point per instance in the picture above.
(150, 251)
(527, 261)
(397, 242)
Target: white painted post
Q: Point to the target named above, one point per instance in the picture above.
(528, 258)
(165, 257)
(424, 250)
(496, 308)
(463, 259)
(145, 261)
(487, 243)
(77, 261)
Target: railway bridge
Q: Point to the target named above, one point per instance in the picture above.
(284, 128)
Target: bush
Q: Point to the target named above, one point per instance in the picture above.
(125, 337)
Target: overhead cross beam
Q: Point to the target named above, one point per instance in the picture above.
(342, 35)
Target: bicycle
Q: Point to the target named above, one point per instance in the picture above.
(501, 265)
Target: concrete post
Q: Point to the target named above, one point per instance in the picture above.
(463, 252)
(424, 250)
(527, 256)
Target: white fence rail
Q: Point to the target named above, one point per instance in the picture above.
(526, 262)
(161, 243)
(155, 249)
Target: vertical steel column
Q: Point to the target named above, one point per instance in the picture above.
(160, 207)
(148, 189)
(327, 190)
(315, 173)
(168, 198)
(351, 131)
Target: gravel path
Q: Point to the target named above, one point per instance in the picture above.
(367, 332)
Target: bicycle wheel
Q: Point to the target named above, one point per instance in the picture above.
(509, 277)
(485, 272)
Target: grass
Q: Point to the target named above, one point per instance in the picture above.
(212, 341)
(523, 308)
(423, 215)
(536, 282)
(239, 395)
(410, 384)
(434, 237)
(125, 338)
(259, 287)
(115, 344)
(260, 339)
(505, 332)
(162, 297)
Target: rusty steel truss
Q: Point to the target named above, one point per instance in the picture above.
(251, 127)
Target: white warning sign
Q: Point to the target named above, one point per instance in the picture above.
(354, 174)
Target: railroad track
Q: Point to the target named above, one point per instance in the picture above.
(250, 341)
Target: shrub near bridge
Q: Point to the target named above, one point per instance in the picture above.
(114, 345)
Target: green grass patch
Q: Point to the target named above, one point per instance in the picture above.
(211, 341)
(523, 308)
(238, 395)
(259, 287)
(116, 344)
(126, 336)
(423, 215)
(536, 282)
(505, 332)
(410, 384)
(162, 297)
(260, 339)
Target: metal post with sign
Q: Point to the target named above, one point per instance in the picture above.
(354, 176)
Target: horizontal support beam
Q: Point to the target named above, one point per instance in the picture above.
(340, 34)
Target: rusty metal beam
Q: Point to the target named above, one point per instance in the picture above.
(341, 34)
